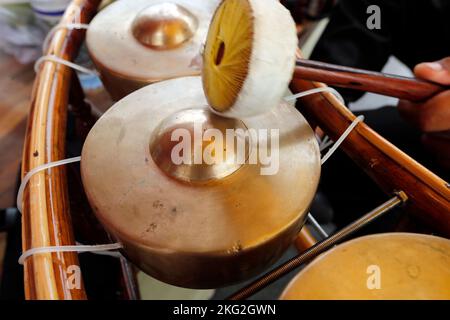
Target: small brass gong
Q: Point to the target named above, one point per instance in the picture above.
(199, 224)
(137, 42)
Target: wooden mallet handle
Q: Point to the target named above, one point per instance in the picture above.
(345, 77)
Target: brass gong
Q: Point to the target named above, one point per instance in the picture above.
(137, 42)
(198, 225)
(384, 266)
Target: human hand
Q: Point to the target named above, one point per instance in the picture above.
(432, 116)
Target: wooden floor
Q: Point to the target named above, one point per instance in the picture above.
(16, 82)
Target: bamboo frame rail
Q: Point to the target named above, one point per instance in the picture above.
(46, 218)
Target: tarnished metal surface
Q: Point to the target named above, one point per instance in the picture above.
(197, 234)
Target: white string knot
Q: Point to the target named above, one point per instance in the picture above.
(56, 59)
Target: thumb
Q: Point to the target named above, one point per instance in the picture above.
(438, 71)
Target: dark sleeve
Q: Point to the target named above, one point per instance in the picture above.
(309, 10)
(347, 40)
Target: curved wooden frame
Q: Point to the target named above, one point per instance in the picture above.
(46, 216)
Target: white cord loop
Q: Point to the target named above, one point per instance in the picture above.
(56, 59)
(69, 26)
(326, 141)
(342, 138)
(99, 249)
(32, 172)
(316, 225)
(313, 91)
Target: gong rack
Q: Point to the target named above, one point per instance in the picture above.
(48, 214)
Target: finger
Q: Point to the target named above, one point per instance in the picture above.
(438, 71)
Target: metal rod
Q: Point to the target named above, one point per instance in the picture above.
(318, 248)
(317, 226)
(391, 85)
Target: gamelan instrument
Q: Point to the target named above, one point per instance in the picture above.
(206, 225)
(197, 225)
(388, 266)
(137, 42)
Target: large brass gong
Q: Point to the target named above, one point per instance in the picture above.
(137, 42)
(197, 225)
(384, 266)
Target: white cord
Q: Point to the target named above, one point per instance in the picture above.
(56, 59)
(316, 225)
(70, 26)
(33, 171)
(326, 141)
(342, 138)
(99, 249)
(313, 91)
